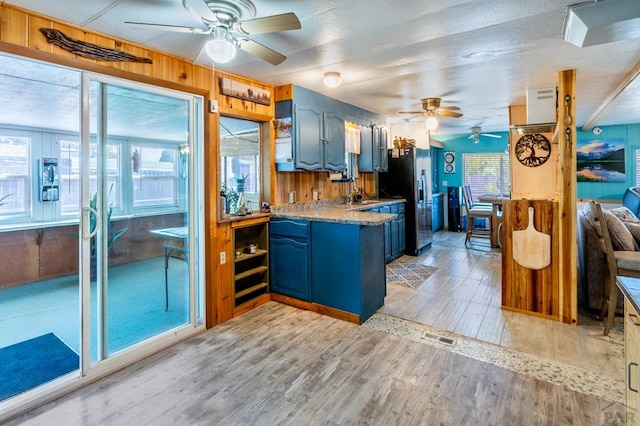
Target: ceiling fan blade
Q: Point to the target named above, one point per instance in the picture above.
(269, 24)
(489, 135)
(199, 10)
(411, 112)
(448, 113)
(450, 108)
(172, 28)
(261, 51)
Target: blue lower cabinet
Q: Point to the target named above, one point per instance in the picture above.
(289, 261)
(348, 267)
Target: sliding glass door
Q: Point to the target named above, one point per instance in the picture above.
(99, 222)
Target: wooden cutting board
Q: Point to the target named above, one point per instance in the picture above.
(531, 248)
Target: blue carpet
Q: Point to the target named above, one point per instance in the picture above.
(33, 362)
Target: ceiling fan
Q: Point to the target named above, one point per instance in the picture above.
(222, 19)
(432, 108)
(476, 133)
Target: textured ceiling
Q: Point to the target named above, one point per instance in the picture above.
(479, 55)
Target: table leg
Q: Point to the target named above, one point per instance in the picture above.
(495, 222)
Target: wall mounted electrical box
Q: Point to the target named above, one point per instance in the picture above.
(49, 179)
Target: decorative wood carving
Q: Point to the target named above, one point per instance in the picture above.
(89, 50)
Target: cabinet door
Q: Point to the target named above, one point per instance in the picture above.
(290, 267)
(632, 358)
(367, 150)
(308, 141)
(334, 145)
(395, 236)
(375, 160)
(383, 149)
(402, 244)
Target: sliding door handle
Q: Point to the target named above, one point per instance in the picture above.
(629, 376)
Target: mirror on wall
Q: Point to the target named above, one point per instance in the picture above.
(240, 164)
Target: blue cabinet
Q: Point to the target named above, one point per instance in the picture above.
(335, 265)
(373, 150)
(401, 229)
(289, 250)
(348, 267)
(394, 231)
(309, 131)
(317, 141)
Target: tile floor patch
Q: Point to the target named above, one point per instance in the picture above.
(573, 378)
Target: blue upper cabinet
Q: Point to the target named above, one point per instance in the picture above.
(317, 140)
(309, 131)
(373, 150)
(334, 141)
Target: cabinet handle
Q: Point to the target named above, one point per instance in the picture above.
(634, 319)
(629, 376)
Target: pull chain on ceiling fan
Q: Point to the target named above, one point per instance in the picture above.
(222, 20)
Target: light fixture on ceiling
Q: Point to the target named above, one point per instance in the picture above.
(591, 23)
(221, 49)
(332, 79)
(431, 123)
(476, 138)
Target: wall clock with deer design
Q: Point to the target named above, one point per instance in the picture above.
(533, 150)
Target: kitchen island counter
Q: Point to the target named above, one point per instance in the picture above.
(331, 212)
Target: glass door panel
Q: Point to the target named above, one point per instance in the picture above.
(39, 282)
(141, 251)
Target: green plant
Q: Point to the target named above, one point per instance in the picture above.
(231, 196)
(2, 202)
(93, 203)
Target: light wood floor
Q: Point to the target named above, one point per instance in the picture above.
(280, 365)
(464, 295)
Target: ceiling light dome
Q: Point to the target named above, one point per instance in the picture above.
(431, 123)
(332, 79)
(220, 49)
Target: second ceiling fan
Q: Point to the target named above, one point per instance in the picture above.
(432, 108)
(476, 132)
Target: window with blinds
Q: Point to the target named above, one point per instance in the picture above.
(486, 173)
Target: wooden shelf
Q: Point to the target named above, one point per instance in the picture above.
(246, 256)
(251, 289)
(249, 272)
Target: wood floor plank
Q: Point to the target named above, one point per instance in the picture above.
(471, 320)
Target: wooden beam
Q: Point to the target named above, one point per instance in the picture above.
(566, 173)
(629, 80)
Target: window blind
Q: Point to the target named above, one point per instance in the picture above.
(486, 173)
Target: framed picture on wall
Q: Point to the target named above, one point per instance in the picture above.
(601, 161)
(239, 90)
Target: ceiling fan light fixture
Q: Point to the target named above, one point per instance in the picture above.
(431, 123)
(332, 79)
(220, 49)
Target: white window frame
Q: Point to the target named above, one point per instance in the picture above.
(503, 181)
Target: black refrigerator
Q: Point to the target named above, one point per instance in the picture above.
(409, 177)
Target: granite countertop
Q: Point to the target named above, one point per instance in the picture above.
(331, 211)
(630, 287)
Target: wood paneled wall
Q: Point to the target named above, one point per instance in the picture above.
(526, 290)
